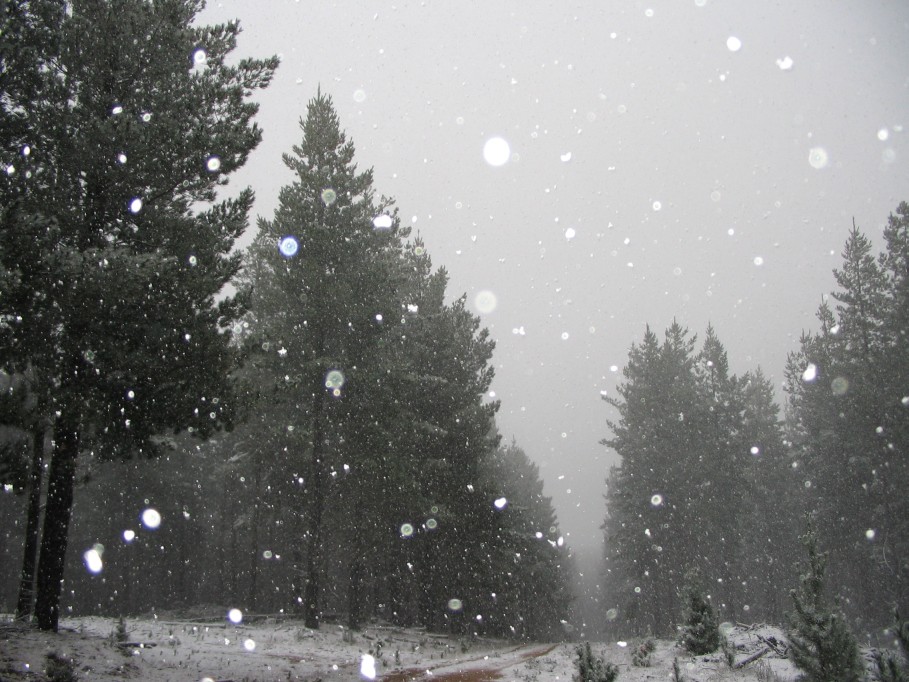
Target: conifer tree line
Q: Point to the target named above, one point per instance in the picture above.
(309, 419)
(712, 479)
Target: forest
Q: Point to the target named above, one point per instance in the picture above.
(301, 428)
(306, 427)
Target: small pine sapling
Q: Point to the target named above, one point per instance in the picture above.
(701, 631)
(820, 642)
(888, 666)
(676, 671)
(120, 634)
(640, 657)
(593, 668)
(60, 668)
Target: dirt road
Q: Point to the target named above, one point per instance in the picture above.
(483, 669)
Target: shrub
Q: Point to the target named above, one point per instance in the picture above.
(60, 668)
(820, 642)
(701, 631)
(593, 668)
(640, 657)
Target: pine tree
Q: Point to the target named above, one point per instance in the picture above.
(771, 503)
(846, 390)
(326, 271)
(531, 584)
(890, 666)
(820, 642)
(116, 270)
(700, 628)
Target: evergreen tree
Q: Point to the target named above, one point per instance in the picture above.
(532, 591)
(650, 534)
(846, 389)
(327, 277)
(820, 642)
(700, 628)
(115, 268)
(770, 506)
(890, 666)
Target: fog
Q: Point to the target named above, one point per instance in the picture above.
(697, 160)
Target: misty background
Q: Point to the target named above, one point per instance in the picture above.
(696, 160)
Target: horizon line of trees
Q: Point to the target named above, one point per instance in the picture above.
(712, 480)
(352, 468)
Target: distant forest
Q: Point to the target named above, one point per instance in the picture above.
(306, 427)
(712, 479)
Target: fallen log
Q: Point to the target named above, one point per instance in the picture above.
(752, 658)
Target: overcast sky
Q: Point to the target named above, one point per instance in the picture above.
(693, 159)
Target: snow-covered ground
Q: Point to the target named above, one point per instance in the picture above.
(176, 649)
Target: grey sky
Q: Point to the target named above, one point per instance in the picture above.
(658, 110)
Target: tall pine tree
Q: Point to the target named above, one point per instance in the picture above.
(112, 231)
(846, 389)
(327, 279)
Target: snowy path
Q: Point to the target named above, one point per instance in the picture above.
(480, 669)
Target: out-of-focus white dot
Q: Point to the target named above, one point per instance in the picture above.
(151, 519)
(249, 645)
(755, 450)
(135, 205)
(288, 246)
(213, 164)
(621, 644)
(613, 368)
(715, 195)
(129, 535)
(818, 157)
(235, 616)
(500, 503)
(359, 95)
(758, 260)
(565, 336)
(496, 151)
(570, 233)
(92, 560)
(869, 534)
(407, 530)
(200, 56)
(382, 222)
(657, 205)
(455, 604)
(566, 157)
(730, 231)
(810, 373)
(368, 667)
(733, 43)
(888, 155)
(485, 301)
(656, 500)
(121, 158)
(785, 63)
(648, 13)
(883, 134)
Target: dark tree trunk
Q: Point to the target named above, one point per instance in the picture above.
(355, 578)
(316, 494)
(30, 553)
(61, 481)
(254, 549)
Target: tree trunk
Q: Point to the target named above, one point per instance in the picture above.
(61, 481)
(355, 577)
(30, 553)
(316, 493)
